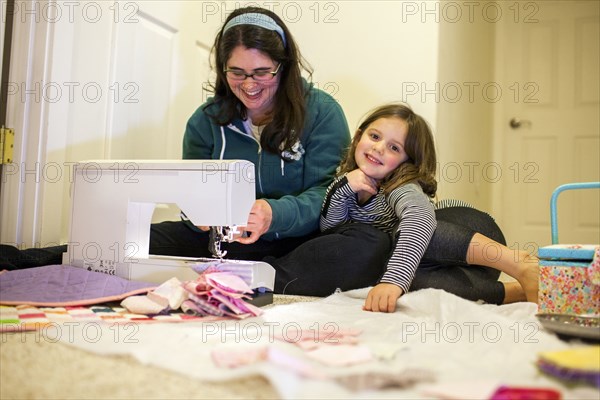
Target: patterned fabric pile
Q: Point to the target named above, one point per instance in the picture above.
(213, 293)
(54, 321)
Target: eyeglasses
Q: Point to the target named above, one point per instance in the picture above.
(260, 75)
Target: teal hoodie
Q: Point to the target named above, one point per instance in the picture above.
(294, 188)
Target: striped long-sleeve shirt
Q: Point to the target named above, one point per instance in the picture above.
(406, 213)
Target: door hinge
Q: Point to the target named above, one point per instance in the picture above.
(7, 144)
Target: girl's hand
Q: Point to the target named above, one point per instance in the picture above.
(259, 221)
(360, 182)
(382, 298)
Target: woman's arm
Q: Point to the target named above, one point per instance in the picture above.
(326, 139)
(198, 139)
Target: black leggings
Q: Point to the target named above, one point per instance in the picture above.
(354, 255)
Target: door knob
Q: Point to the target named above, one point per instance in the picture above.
(516, 123)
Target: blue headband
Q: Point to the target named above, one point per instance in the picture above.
(258, 19)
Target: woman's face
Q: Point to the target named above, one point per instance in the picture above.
(380, 149)
(257, 95)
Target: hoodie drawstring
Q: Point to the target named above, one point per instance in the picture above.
(223, 145)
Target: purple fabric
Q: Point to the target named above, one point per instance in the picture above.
(55, 285)
(571, 376)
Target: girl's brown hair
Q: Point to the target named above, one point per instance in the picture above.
(288, 115)
(419, 147)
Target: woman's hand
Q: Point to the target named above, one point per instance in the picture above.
(259, 221)
(360, 182)
(382, 298)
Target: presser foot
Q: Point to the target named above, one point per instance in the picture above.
(218, 235)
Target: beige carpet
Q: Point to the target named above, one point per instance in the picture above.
(34, 368)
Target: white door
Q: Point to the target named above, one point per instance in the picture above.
(95, 80)
(549, 58)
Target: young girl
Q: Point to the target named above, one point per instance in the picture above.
(386, 184)
(388, 180)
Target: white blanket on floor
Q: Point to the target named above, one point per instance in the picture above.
(469, 348)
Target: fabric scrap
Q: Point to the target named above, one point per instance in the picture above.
(143, 305)
(30, 318)
(341, 355)
(379, 380)
(471, 389)
(308, 339)
(227, 358)
(171, 294)
(579, 365)
(220, 294)
(228, 284)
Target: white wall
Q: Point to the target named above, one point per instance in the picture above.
(465, 111)
(370, 54)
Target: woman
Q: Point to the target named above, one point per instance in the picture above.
(265, 112)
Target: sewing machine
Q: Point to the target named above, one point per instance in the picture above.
(112, 206)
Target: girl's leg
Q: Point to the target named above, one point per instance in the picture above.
(466, 255)
(518, 264)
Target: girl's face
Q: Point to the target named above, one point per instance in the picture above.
(257, 96)
(380, 149)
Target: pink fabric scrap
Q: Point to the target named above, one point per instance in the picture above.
(228, 284)
(221, 294)
(226, 358)
(341, 355)
(308, 339)
(240, 357)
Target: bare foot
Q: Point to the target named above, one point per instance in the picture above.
(529, 275)
(513, 292)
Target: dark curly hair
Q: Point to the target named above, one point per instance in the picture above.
(288, 115)
(419, 147)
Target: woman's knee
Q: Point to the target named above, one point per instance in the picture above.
(361, 236)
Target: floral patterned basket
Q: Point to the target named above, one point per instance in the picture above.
(567, 285)
(569, 274)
